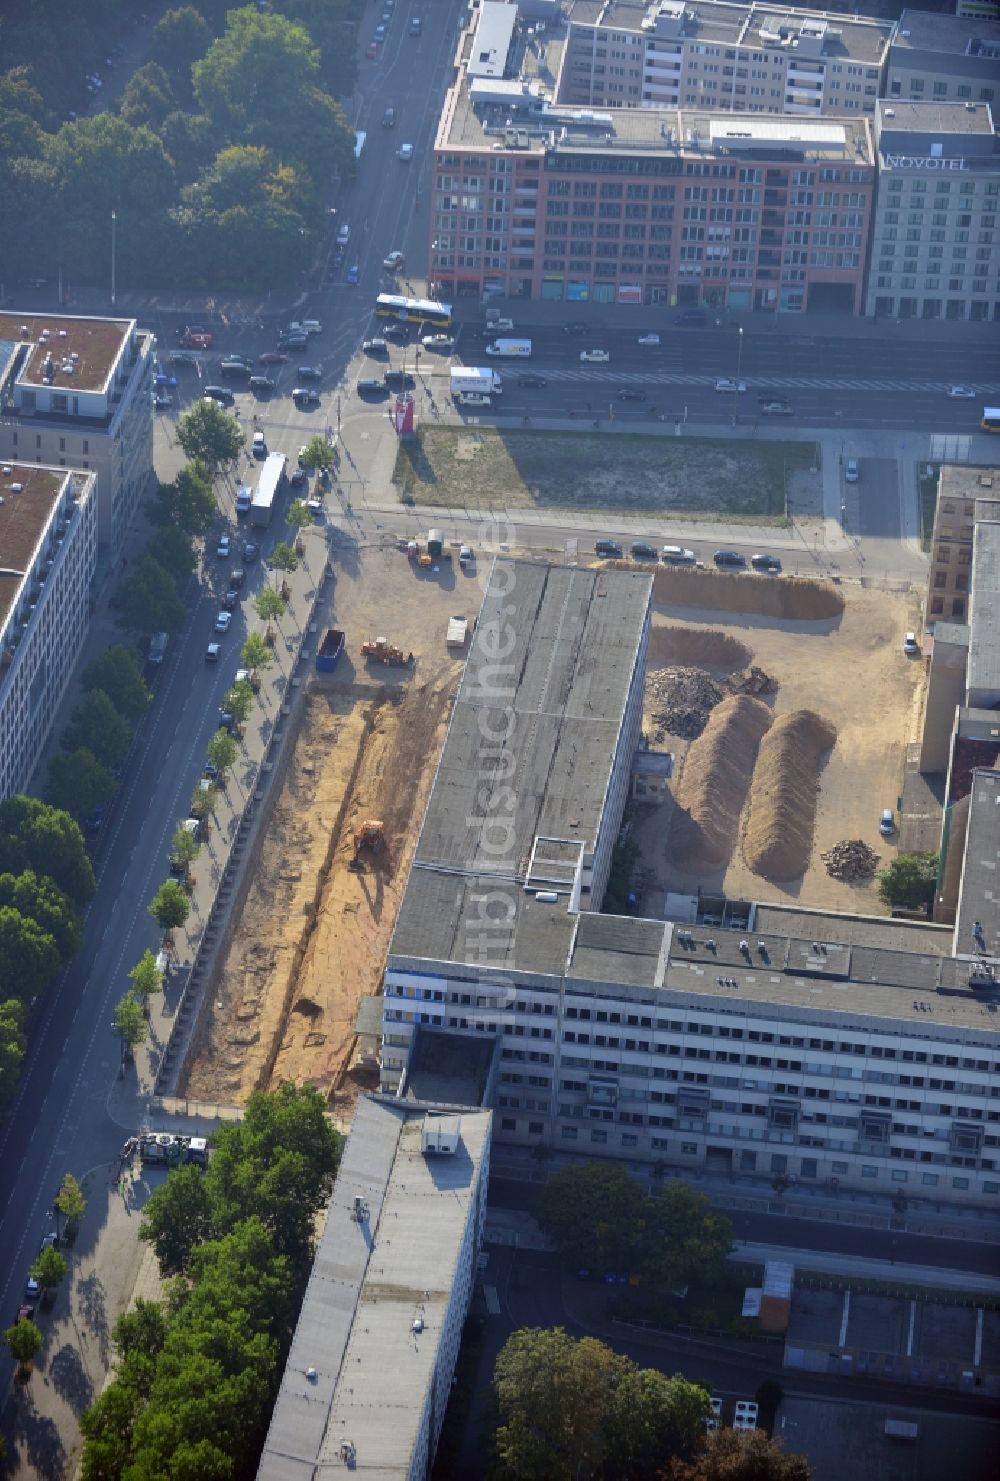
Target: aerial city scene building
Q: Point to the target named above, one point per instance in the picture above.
(500, 740)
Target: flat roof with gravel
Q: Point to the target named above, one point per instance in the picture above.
(979, 896)
(91, 346)
(27, 496)
(357, 1371)
(984, 609)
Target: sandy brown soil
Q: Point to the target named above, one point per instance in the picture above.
(848, 670)
(311, 937)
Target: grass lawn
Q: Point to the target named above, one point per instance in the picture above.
(481, 468)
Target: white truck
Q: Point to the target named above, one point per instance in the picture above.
(458, 628)
(511, 349)
(465, 378)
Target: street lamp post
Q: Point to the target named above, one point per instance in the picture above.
(739, 367)
(114, 243)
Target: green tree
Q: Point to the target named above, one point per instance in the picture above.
(204, 802)
(70, 1201)
(190, 143)
(317, 453)
(210, 435)
(78, 783)
(179, 38)
(42, 900)
(299, 516)
(24, 1340)
(49, 1269)
(686, 1241)
(650, 1417)
(595, 1212)
(95, 725)
(108, 1428)
(12, 1046)
(238, 700)
(184, 849)
(130, 1022)
(146, 977)
(174, 550)
(142, 1331)
(255, 654)
(740, 1455)
(117, 672)
(29, 958)
(269, 605)
(148, 98)
(177, 1217)
(283, 558)
(909, 881)
(170, 906)
(34, 835)
(222, 749)
(148, 600)
(553, 1393)
(188, 502)
(279, 1161)
(234, 79)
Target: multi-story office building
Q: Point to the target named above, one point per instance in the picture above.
(964, 494)
(48, 553)
(537, 200)
(77, 393)
(935, 251)
(715, 55)
(938, 58)
(762, 1040)
(370, 1369)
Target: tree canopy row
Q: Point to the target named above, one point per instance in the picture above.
(217, 160)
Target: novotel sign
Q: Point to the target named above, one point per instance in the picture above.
(931, 162)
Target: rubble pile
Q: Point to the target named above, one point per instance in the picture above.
(752, 680)
(851, 860)
(681, 700)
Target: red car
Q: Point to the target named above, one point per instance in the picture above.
(372, 50)
(200, 341)
(272, 357)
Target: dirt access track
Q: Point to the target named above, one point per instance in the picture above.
(835, 654)
(309, 936)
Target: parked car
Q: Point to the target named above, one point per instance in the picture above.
(305, 396)
(250, 552)
(343, 234)
(182, 357)
(595, 357)
(293, 341)
(259, 446)
(608, 550)
(299, 478)
(389, 117)
(764, 562)
(229, 366)
(397, 329)
(406, 153)
(630, 393)
(354, 274)
(649, 339)
(231, 600)
(370, 386)
(438, 342)
(162, 400)
(852, 471)
(379, 33)
(416, 26)
(498, 324)
(677, 555)
(212, 652)
(375, 347)
(371, 50)
(237, 576)
(162, 382)
(222, 621)
(261, 385)
(887, 823)
(910, 645)
(272, 357)
(775, 407)
(729, 558)
(309, 373)
(727, 383)
(641, 550)
(399, 380)
(222, 394)
(224, 548)
(474, 398)
(393, 262)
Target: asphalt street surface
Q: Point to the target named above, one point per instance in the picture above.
(63, 1118)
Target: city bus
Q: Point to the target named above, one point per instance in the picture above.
(991, 419)
(419, 310)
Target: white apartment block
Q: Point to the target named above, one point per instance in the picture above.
(713, 54)
(370, 1369)
(755, 1039)
(48, 554)
(77, 393)
(935, 248)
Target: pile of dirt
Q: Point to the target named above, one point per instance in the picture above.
(681, 700)
(782, 812)
(698, 647)
(790, 598)
(713, 784)
(851, 860)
